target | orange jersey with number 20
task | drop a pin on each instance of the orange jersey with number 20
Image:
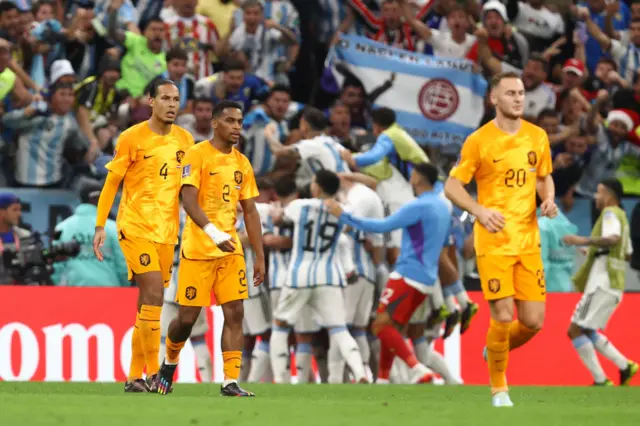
(506, 168)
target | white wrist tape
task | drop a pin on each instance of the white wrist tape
(215, 234)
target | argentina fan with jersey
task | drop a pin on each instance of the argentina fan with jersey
(255, 125)
(315, 278)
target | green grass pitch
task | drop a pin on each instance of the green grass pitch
(90, 404)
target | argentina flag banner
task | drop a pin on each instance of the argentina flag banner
(439, 101)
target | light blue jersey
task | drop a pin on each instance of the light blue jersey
(314, 257)
(256, 148)
(558, 259)
(425, 224)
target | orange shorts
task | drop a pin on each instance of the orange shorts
(225, 276)
(521, 277)
(146, 256)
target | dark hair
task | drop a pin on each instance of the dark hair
(609, 61)
(328, 181)
(203, 100)
(251, 3)
(35, 7)
(279, 88)
(428, 171)
(547, 113)
(285, 187)
(305, 192)
(156, 84)
(495, 81)
(233, 64)
(7, 6)
(536, 57)
(615, 187)
(315, 118)
(264, 184)
(220, 107)
(177, 52)
(383, 117)
(146, 23)
(108, 63)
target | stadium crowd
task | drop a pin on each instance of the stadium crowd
(75, 74)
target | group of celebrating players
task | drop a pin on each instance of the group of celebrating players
(325, 248)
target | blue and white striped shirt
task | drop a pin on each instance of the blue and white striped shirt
(41, 145)
(256, 148)
(314, 258)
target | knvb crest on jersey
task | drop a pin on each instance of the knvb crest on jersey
(237, 176)
(532, 157)
(494, 285)
(179, 156)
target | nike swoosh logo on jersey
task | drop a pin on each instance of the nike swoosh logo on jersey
(497, 161)
(242, 291)
(213, 173)
(146, 157)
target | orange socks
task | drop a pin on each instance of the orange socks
(232, 364)
(498, 354)
(519, 334)
(173, 350)
(137, 354)
(149, 326)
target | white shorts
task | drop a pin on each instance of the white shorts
(306, 323)
(395, 192)
(595, 308)
(325, 302)
(598, 301)
(170, 311)
(257, 315)
(358, 301)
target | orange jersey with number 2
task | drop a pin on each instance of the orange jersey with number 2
(222, 180)
(506, 168)
(151, 166)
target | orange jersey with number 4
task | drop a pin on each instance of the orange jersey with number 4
(506, 168)
(151, 166)
(222, 180)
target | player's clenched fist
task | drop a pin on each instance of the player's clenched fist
(98, 241)
(492, 220)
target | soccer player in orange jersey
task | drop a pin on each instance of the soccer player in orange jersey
(148, 160)
(215, 177)
(510, 160)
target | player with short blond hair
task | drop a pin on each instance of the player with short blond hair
(148, 160)
(510, 160)
(215, 177)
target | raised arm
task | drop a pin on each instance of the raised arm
(406, 216)
(383, 147)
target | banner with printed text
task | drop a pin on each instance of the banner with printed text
(437, 100)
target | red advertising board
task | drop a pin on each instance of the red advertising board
(83, 334)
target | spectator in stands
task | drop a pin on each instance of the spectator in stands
(47, 135)
(194, 34)
(630, 99)
(256, 42)
(10, 25)
(11, 86)
(144, 59)
(536, 22)
(610, 146)
(624, 54)
(255, 123)
(97, 97)
(539, 95)
(573, 105)
(507, 46)
(453, 43)
(177, 71)
(233, 84)
(598, 14)
(85, 270)
(569, 161)
(199, 124)
(127, 15)
(10, 233)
